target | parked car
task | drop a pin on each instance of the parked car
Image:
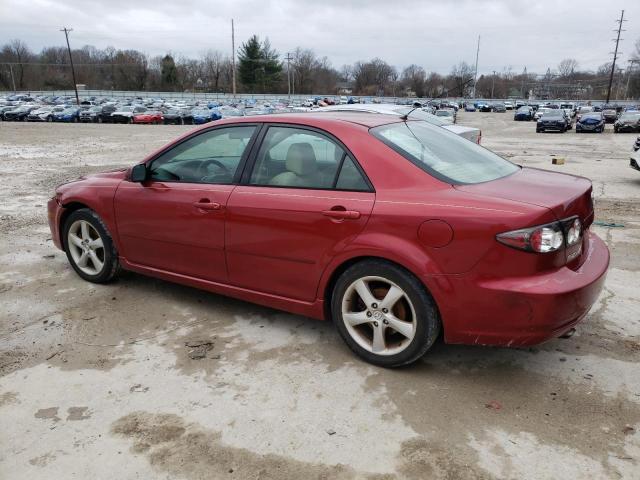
(68, 115)
(499, 107)
(540, 112)
(469, 107)
(447, 115)
(634, 162)
(553, 120)
(610, 114)
(4, 109)
(178, 116)
(41, 114)
(124, 114)
(508, 105)
(483, 107)
(396, 230)
(470, 133)
(149, 117)
(590, 122)
(91, 115)
(524, 113)
(18, 114)
(627, 122)
(636, 146)
(201, 116)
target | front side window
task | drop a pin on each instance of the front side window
(211, 157)
(443, 154)
(298, 158)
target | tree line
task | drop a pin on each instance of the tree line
(262, 69)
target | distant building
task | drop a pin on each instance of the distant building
(344, 88)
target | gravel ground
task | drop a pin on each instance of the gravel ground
(147, 379)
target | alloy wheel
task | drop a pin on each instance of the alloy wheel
(379, 315)
(86, 247)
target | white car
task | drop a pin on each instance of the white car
(447, 115)
(470, 133)
(508, 105)
(540, 112)
(343, 100)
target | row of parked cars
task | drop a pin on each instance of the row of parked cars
(560, 117)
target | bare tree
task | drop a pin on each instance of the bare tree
(414, 77)
(567, 67)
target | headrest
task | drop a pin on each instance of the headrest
(301, 159)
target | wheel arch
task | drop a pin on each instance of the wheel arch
(334, 273)
(69, 208)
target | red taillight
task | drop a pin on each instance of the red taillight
(547, 238)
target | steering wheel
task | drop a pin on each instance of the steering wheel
(202, 172)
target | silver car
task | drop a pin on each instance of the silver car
(470, 133)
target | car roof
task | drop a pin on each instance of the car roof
(320, 119)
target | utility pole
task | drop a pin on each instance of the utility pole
(524, 77)
(475, 76)
(13, 80)
(288, 58)
(233, 59)
(73, 71)
(493, 81)
(615, 54)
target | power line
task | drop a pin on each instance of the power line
(73, 71)
(615, 54)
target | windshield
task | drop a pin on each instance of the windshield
(591, 115)
(444, 113)
(443, 154)
(524, 109)
(554, 113)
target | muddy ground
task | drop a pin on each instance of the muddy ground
(147, 379)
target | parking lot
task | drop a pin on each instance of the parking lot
(147, 379)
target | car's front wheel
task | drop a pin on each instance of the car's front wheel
(384, 314)
(89, 247)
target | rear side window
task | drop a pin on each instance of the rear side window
(443, 154)
(300, 158)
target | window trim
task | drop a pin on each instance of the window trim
(251, 163)
(243, 159)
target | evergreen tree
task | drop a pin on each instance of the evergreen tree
(168, 72)
(258, 65)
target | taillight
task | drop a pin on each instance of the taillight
(547, 238)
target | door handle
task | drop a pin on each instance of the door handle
(342, 214)
(207, 205)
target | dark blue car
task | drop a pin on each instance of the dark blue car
(590, 122)
(71, 114)
(204, 115)
(524, 113)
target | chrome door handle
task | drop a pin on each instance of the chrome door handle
(202, 205)
(342, 214)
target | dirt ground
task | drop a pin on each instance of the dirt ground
(146, 379)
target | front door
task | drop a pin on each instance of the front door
(306, 199)
(175, 220)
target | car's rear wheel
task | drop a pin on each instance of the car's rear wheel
(89, 247)
(384, 314)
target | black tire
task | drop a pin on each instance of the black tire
(427, 319)
(111, 265)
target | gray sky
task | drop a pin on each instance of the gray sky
(434, 34)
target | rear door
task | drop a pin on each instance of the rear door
(175, 220)
(304, 199)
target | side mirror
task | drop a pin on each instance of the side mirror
(139, 173)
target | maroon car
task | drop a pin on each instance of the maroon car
(396, 230)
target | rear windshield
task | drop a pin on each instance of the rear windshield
(443, 154)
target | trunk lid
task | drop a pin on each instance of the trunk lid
(565, 195)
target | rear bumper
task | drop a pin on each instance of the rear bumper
(54, 213)
(522, 310)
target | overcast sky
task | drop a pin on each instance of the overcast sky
(435, 34)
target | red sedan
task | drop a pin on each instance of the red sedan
(396, 230)
(154, 118)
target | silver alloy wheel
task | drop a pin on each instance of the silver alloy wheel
(86, 247)
(379, 315)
